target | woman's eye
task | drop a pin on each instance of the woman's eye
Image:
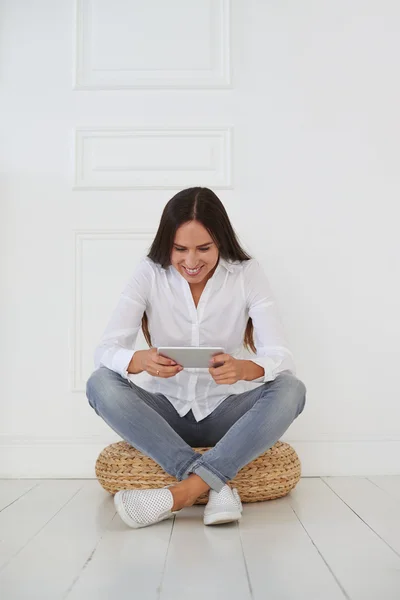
(183, 249)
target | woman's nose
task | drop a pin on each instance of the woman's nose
(192, 261)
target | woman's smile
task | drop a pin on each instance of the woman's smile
(192, 272)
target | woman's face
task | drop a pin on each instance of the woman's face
(194, 254)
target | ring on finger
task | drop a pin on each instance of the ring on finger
(158, 372)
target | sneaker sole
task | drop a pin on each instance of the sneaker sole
(223, 517)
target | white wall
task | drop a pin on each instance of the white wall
(289, 111)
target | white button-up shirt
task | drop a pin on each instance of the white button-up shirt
(235, 292)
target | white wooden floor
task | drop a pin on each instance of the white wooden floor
(330, 538)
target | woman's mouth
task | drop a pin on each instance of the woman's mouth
(192, 272)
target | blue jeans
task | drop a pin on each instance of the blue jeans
(241, 428)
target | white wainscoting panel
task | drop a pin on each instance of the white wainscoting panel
(153, 44)
(104, 261)
(152, 158)
(61, 456)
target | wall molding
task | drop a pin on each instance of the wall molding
(88, 76)
(74, 457)
(78, 382)
(217, 174)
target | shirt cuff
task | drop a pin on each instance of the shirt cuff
(271, 367)
(121, 360)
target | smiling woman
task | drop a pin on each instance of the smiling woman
(196, 262)
(196, 287)
(193, 234)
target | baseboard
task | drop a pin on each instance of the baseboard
(43, 458)
(50, 457)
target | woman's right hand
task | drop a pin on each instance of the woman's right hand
(154, 364)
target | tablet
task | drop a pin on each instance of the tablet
(197, 357)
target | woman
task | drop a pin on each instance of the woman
(196, 287)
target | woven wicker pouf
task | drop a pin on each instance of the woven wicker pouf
(271, 475)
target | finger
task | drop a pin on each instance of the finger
(168, 371)
(216, 371)
(213, 371)
(224, 381)
(225, 377)
(220, 358)
(223, 357)
(225, 374)
(163, 360)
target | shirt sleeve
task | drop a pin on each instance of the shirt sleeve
(270, 341)
(116, 347)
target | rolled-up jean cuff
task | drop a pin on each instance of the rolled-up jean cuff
(211, 476)
(187, 468)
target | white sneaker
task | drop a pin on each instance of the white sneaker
(223, 507)
(238, 500)
(140, 508)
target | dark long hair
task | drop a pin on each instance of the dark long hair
(202, 205)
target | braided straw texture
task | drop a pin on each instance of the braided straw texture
(271, 475)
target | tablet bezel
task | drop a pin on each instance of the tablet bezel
(191, 357)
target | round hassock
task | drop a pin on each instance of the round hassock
(271, 475)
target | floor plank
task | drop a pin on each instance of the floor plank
(389, 483)
(363, 563)
(23, 519)
(55, 557)
(373, 505)
(282, 560)
(12, 489)
(126, 563)
(204, 561)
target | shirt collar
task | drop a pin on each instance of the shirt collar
(226, 264)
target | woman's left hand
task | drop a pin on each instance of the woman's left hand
(231, 371)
